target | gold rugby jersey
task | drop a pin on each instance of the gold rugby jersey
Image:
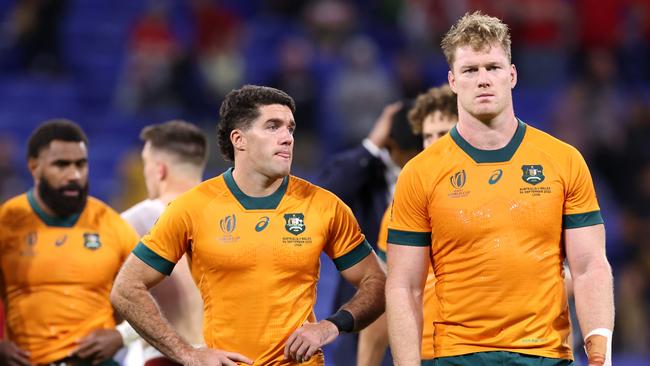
(256, 261)
(58, 273)
(494, 221)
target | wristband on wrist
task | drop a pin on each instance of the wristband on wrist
(129, 335)
(343, 320)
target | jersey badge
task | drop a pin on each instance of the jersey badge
(91, 241)
(533, 174)
(295, 223)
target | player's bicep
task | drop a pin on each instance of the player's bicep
(409, 209)
(368, 267)
(138, 273)
(584, 246)
(408, 266)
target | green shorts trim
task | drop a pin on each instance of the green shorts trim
(499, 358)
(427, 362)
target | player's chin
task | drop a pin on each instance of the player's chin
(282, 168)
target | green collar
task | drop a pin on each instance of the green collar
(491, 156)
(255, 203)
(68, 221)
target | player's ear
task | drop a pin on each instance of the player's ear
(33, 166)
(513, 76)
(238, 140)
(451, 78)
(161, 170)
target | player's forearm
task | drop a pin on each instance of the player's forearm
(369, 302)
(594, 297)
(138, 307)
(404, 314)
(373, 341)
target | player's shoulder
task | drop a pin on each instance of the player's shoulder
(302, 189)
(431, 161)
(14, 208)
(548, 143)
(100, 210)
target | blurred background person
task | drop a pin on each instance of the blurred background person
(364, 178)
(60, 251)
(432, 116)
(174, 156)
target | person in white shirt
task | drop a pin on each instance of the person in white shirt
(174, 157)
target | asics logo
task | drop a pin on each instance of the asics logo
(261, 225)
(496, 175)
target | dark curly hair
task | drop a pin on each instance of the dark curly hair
(241, 108)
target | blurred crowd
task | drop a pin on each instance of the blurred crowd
(582, 65)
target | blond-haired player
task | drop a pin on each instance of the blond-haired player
(495, 206)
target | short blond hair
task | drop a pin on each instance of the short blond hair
(440, 98)
(479, 31)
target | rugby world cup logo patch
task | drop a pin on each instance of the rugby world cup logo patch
(295, 223)
(228, 224)
(458, 179)
(533, 174)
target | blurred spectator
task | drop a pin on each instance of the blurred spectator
(360, 90)
(35, 32)
(151, 56)
(590, 114)
(330, 23)
(217, 42)
(11, 182)
(542, 32)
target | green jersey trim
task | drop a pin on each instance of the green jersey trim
(255, 203)
(410, 238)
(582, 220)
(68, 221)
(154, 261)
(354, 256)
(491, 156)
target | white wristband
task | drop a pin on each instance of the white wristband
(607, 333)
(129, 335)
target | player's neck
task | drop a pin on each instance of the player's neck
(255, 184)
(169, 190)
(487, 135)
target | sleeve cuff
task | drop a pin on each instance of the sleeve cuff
(154, 261)
(411, 238)
(354, 256)
(575, 221)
